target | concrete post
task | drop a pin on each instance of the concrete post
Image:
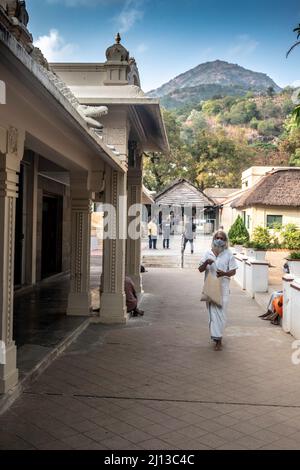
(286, 316)
(257, 276)
(11, 153)
(240, 276)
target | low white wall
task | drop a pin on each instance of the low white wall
(257, 276)
(240, 276)
(286, 314)
(295, 308)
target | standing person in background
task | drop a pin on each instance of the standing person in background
(221, 263)
(166, 232)
(152, 234)
(189, 234)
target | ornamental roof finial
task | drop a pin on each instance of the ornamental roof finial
(118, 38)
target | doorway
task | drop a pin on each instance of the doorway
(51, 235)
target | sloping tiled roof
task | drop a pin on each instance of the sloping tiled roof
(219, 195)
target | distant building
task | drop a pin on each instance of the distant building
(269, 195)
(275, 198)
(219, 195)
(180, 195)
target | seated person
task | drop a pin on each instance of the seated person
(131, 298)
(274, 309)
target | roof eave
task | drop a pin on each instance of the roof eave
(15, 54)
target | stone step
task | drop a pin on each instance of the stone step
(170, 261)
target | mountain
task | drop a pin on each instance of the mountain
(210, 79)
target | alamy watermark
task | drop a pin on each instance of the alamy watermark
(2, 353)
(139, 215)
(295, 358)
(2, 92)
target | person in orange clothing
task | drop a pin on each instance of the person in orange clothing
(277, 305)
(275, 308)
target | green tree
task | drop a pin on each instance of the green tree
(268, 128)
(270, 91)
(238, 233)
(297, 43)
(295, 158)
(296, 112)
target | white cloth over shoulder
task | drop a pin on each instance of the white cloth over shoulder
(225, 261)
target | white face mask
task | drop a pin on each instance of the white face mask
(219, 243)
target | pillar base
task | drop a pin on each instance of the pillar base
(79, 304)
(9, 374)
(113, 309)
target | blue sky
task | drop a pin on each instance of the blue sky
(169, 37)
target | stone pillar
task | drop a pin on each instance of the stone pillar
(79, 300)
(112, 299)
(11, 153)
(133, 246)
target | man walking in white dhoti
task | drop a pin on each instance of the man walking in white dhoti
(222, 264)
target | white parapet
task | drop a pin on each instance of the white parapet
(2, 92)
(257, 276)
(286, 316)
(295, 309)
(240, 276)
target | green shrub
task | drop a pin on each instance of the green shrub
(293, 242)
(291, 236)
(294, 255)
(261, 246)
(261, 235)
(238, 234)
(257, 245)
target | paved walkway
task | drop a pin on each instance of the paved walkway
(158, 384)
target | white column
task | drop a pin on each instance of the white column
(79, 300)
(11, 153)
(133, 246)
(112, 300)
(295, 302)
(257, 276)
(240, 276)
(286, 316)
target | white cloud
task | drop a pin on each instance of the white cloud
(54, 47)
(131, 13)
(244, 46)
(141, 48)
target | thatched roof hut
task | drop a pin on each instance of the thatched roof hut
(281, 187)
